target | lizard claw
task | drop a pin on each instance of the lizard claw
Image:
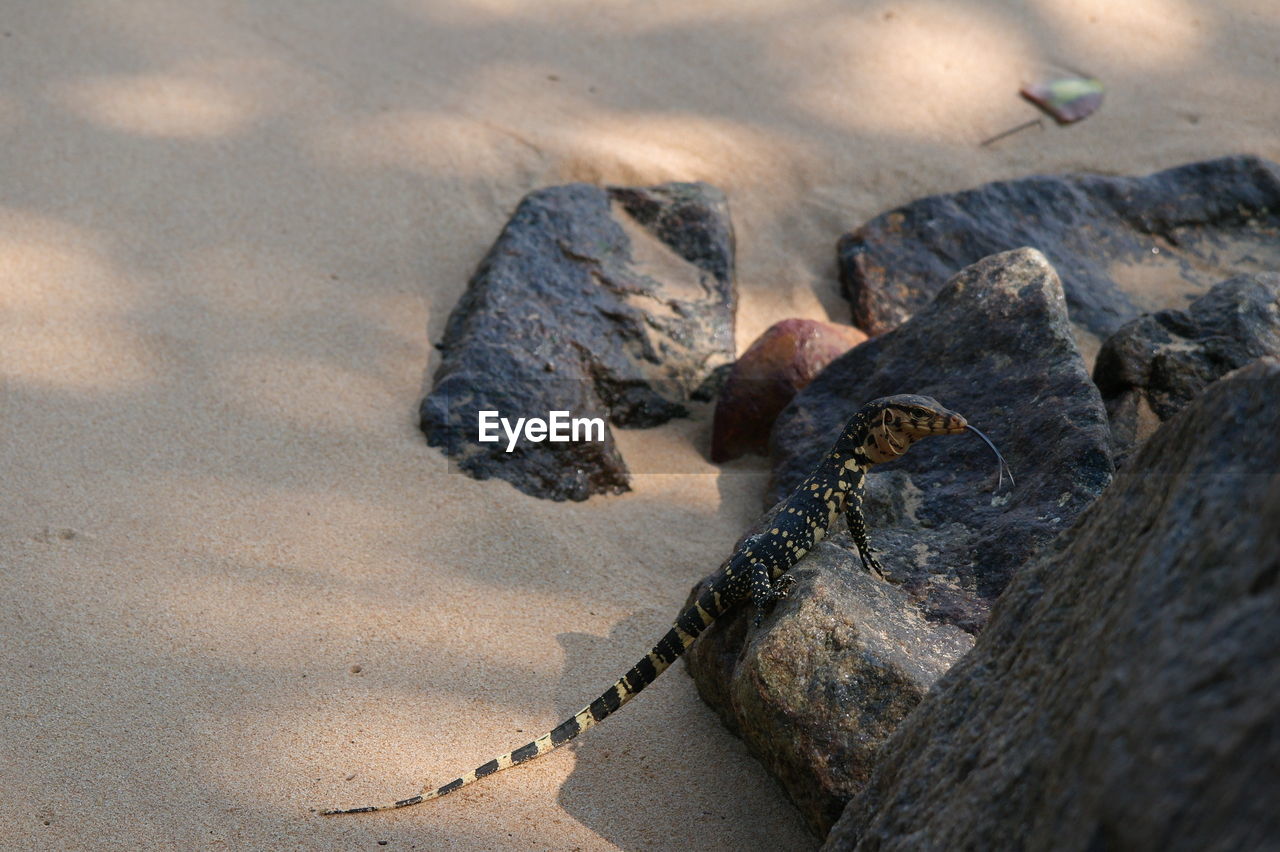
(783, 586)
(873, 566)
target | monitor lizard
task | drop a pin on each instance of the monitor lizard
(881, 431)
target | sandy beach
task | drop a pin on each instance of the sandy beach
(235, 583)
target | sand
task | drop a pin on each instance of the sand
(230, 231)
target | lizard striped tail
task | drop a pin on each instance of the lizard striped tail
(678, 639)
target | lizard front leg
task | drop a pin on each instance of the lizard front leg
(858, 530)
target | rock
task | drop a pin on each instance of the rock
(713, 384)
(1123, 245)
(1156, 365)
(844, 658)
(1126, 694)
(612, 303)
(760, 384)
(996, 346)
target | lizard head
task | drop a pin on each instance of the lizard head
(893, 423)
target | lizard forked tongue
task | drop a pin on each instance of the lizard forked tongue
(1001, 464)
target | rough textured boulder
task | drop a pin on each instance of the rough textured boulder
(1122, 245)
(1126, 694)
(996, 346)
(780, 362)
(612, 303)
(1156, 365)
(842, 660)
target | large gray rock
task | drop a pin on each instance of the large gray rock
(996, 346)
(1123, 245)
(1126, 694)
(612, 303)
(1155, 365)
(844, 658)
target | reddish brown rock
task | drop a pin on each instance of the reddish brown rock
(782, 361)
